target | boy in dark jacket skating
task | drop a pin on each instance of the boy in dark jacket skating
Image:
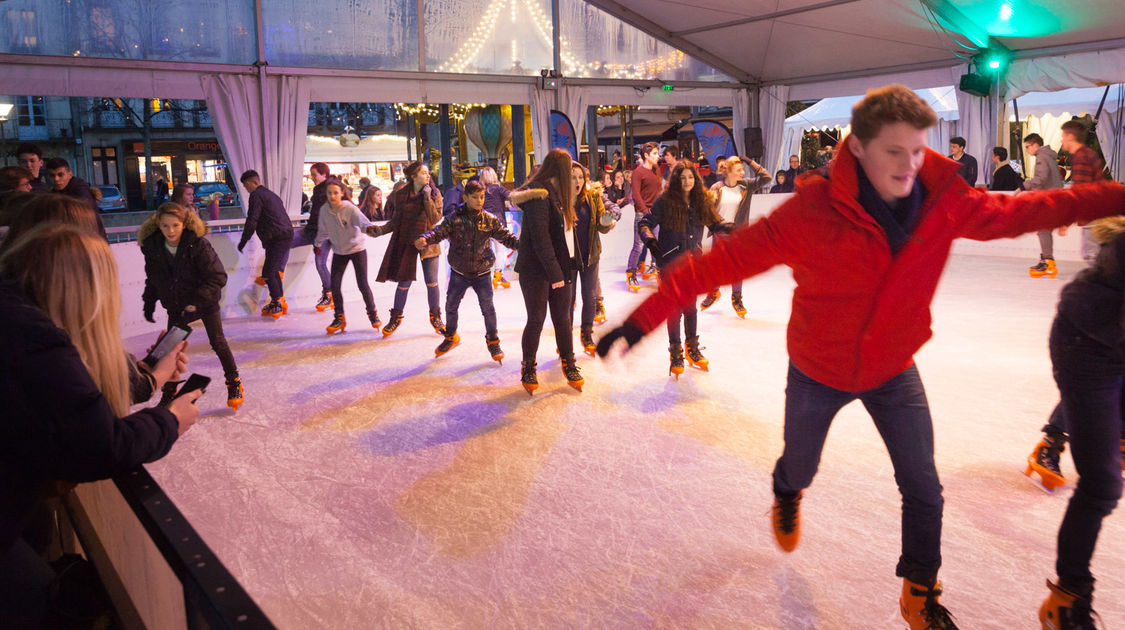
(470, 231)
(183, 271)
(266, 215)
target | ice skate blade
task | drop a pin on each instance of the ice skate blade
(530, 388)
(234, 404)
(1046, 483)
(320, 308)
(334, 331)
(576, 384)
(590, 350)
(276, 316)
(699, 366)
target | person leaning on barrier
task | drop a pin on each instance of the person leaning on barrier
(67, 385)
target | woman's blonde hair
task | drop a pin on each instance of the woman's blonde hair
(71, 276)
(488, 176)
(52, 208)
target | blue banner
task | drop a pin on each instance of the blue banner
(563, 134)
(715, 140)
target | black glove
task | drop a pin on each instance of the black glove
(653, 248)
(726, 227)
(240, 246)
(629, 332)
(149, 316)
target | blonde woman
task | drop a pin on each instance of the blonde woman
(66, 384)
(733, 193)
(496, 203)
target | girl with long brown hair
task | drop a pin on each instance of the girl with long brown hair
(681, 213)
(546, 263)
(417, 210)
(592, 221)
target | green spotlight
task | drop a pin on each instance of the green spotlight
(993, 64)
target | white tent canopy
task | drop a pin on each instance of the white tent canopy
(831, 113)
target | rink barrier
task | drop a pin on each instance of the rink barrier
(156, 568)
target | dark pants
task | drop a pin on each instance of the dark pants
(1090, 378)
(213, 324)
(430, 275)
(538, 297)
(591, 289)
(302, 238)
(691, 319)
(902, 417)
(737, 286)
(482, 286)
(277, 255)
(638, 253)
(25, 580)
(359, 264)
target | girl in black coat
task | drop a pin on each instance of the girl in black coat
(546, 262)
(681, 213)
(183, 271)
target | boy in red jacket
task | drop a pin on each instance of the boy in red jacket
(867, 245)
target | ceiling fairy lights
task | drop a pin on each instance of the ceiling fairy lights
(467, 53)
(430, 111)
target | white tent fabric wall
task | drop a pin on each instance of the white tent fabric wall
(977, 125)
(277, 150)
(573, 102)
(1050, 74)
(1045, 112)
(772, 104)
(542, 102)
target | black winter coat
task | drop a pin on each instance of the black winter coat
(1094, 302)
(543, 249)
(470, 235)
(194, 276)
(672, 243)
(56, 425)
(266, 215)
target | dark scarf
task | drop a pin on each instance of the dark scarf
(898, 220)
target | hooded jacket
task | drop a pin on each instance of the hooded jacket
(596, 203)
(1046, 174)
(859, 314)
(470, 234)
(1092, 303)
(194, 276)
(543, 249)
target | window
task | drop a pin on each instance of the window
(31, 111)
(24, 30)
(103, 30)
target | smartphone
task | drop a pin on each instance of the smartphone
(165, 344)
(194, 382)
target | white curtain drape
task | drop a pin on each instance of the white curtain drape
(740, 108)
(1049, 74)
(978, 126)
(542, 102)
(276, 150)
(772, 102)
(573, 102)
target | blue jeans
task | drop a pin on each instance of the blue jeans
(1090, 379)
(302, 238)
(277, 255)
(637, 254)
(591, 289)
(433, 295)
(482, 286)
(902, 416)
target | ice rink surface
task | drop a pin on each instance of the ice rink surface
(366, 484)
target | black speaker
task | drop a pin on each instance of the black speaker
(752, 143)
(976, 84)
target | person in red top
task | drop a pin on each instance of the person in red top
(867, 244)
(647, 187)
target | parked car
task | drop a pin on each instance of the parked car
(204, 190)
(112, 200)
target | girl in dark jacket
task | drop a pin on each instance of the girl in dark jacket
(1088, 356)
(681, 213)
(471, 231)
(591, 221)
(67, 386)
(417, 209)
(183, 271)
(546, 263)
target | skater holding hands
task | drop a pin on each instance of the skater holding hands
(470, 231)
(343, 225)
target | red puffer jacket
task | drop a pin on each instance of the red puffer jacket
(859, 314)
